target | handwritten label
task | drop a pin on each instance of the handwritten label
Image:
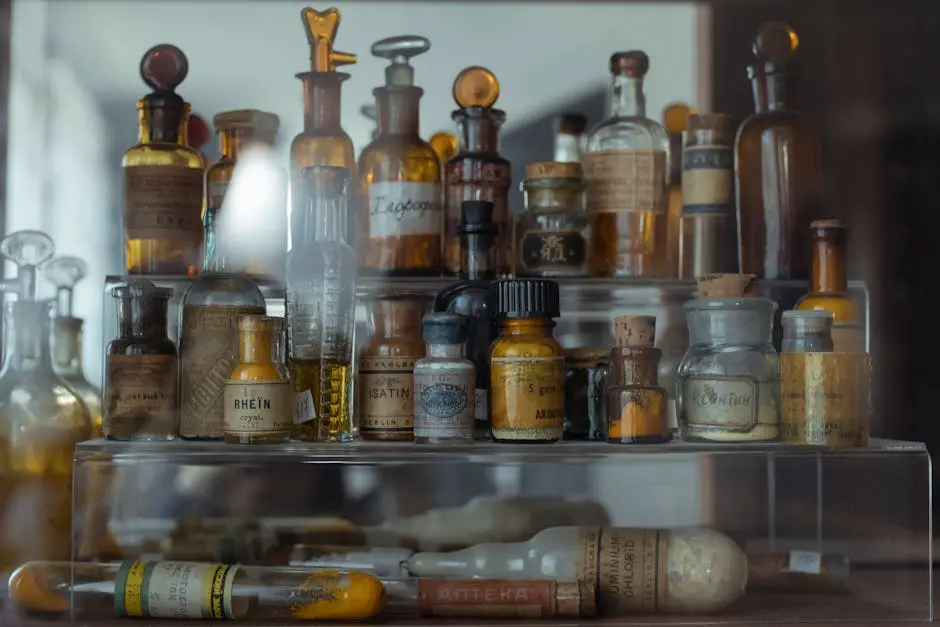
(404, 208)
(174, 590)
(808, 562)
(163, 202)
(304, 408)
(726, 403)
(386, 400)
(707, 180)
(257, 408)
(625, 180)
(528, 397)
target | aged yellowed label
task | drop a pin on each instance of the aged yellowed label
(625, 180)
(386, 394)
(141, 394)
(707, 180)
(481, 598)
(258, 408)
(528, 397)
(825, 398)
(725, 403)
(163, 202)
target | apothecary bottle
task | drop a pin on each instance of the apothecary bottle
(477, 171)
(626, 170)
(806, 331)
(386, 367)
(675, 119)
(636, 403)
(728, 380)
(552, 232)
(141, 382)
(400, 219)
(777, 164)
(258, 399)
(586, 376)
(163, 176)
(444, 383)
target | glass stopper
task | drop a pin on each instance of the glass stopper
(475, 86)
(775, 43)
(321, 27)
(64, 273)
(163, 67)
(27, 249)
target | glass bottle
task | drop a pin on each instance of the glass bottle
(777, 164)
(41, 419)
(586, 374)
(323, 140)
(258, 398)
(208, 341)
(675, 117)
(636, 404)
(477, 171)
(386, 368)
(475, 297)
(552, 233)
(527, 364)
(320, 306)
(444, 145)
(256, 208)
(65, 273)
(141, 384)
(569, 137)
(806, 331)
(163, 176)
(707, 237)
(626, 170)
(444, 383)
(829, 287)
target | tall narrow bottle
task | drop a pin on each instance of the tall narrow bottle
(400, 215)
(163, 176)
(675, 117)
(323, 140)
(777, 165)
(477, 171)
(626, 171)
(321, 291)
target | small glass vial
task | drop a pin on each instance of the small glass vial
(807, 332)
(141, 389)
(527, 364)
(551, 235)
(258, 399)
(636, 404)
(444, 383)
(386, 368)
(585, 388)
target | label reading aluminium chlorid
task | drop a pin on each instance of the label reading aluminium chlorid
(174, 590)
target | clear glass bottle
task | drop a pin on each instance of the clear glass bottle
(400, 219)
(675, 117)
(257, 208)
(444, 383)
(163, 176)
(320, 306)
(552, 233)
(386, 368)
(141, 383)
(477, 171)
(729, 386)
(777, 164)
(806, 331)
(626, 169)
(636, 404)
(828, 291)
(586, 375)
(323, 140)
(41, 419)
(65, 273)
(569, 137)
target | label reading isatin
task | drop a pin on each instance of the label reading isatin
(405, 208)
(258, 408)
(707, 180)
(174, 590)
(162, 202)
(625, 180)
(386, 399)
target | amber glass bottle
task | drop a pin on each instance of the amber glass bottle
(400, 215)
(323, 140)
(163, 176)
(777, 165)
(636, 404)
(386, 368)
(829, 286)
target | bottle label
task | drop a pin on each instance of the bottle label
(305, 409)
(386, 402)
(495, 598)
(630, 567)
(809, 562)
(174, 590)
(707, 180)
(258, 408)
(404, 208)
(208, 354)
(625, 180)
(528, 397)
(444, 404)
(552, 250)
(473, 178)
(721, 403)
(848, 338)
(141, 395)
(163, 202)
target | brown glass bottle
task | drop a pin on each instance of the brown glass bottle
(400, 214)
(386, 368)
(163, 176)
(636, 404)
(777, 165)
(675, 117)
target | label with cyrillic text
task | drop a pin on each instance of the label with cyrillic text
(405, 208)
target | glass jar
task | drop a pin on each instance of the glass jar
(585, 387)
(807, 331)
(729, 387)
(636, 403)
(551, 235)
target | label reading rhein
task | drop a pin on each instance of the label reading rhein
(707, 180)
(141, 395)
(404, 208)
(723, 403)
(174, 590)
(551, 250)
(454, 598)
(258, 408)
(162, 202)
(444, 404)
(304, 408)
(625, 180)
(528, 397)
(386, 401)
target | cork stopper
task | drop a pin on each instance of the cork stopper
(676, 117)
(633, 63)
(635, 331)
(829, 223)
(262, 122)
(727, 285)
(553, 170)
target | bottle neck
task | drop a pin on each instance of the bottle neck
(233, 141)
(446, 351)
(163, 125)
(478, 132)
(636, 366)
(559, 194)
(256, 347)
(829, 264)
(397, 109)
(568, 148)
(627, 98)
(322, 101)
(142, 318)
(26, 337)
(67, 346)
(477, 253)
(773, 92)
(324, 213)
(395, 318)
(542, 326)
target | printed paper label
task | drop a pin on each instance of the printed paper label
(528, 397)
(625, 180)
(258, 408)
(707, 180)
(808, 562)
(405, 208)
(386, 401)
(454, 598)
(163, 202)
(174, 590)
(141, 394)
(725, 403)
(444, 405)
(304, 408)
